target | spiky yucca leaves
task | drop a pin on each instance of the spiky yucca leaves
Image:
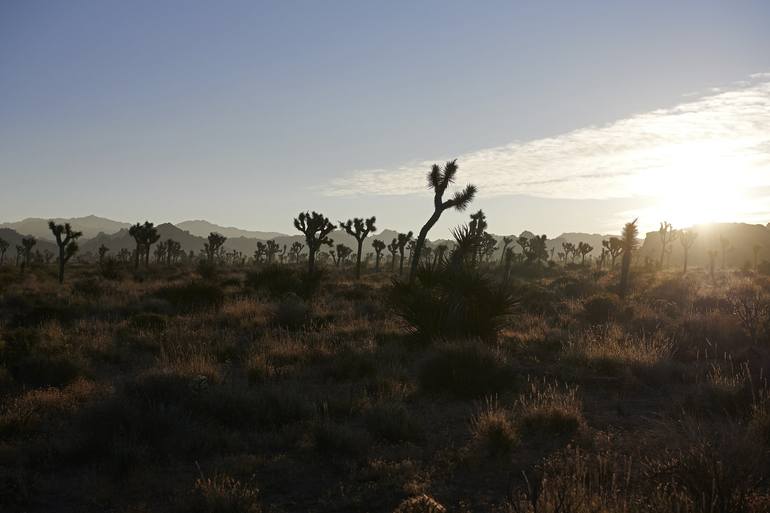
(438, 180)
(359, 229)
(452, 301)
(629, 242)
(316, 229)
(687, 239)
(378, 246)
(215, 242)
(66, 240)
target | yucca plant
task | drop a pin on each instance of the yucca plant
(629, 242)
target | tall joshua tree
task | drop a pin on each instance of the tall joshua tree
(687, 239)
(316, 229)
(28, 243)
(402, 240)
(260, 251)
(584, 248)
(378, 246)
(506, 242)
(273, 248)
(629, 242)
(102, 253)
(438, 180)
(295, 250)
(3, 248)
(212, 247)
(614, 247)
(145, 235)
(359, 229)
(393, 249)
(66, 240)
(19, 255)
(667, 235)
(340, 254)
(724, 243)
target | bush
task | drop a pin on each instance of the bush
(278, 281)
(192, 296)
(601, 308)
(452, 304)
(223, 494)
(465, 371)
(493, 431)
(148, 321)
(291, 313)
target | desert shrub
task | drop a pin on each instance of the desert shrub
(452, 303)
(492, 429)
(335, 439)
(192, 296)
(223, 494)
(350, 365)
(291, 312)
(465, 371)
(420, 504)
(206, 270)
(751, 306)
(278, 281)
(148, 321)
(601, 308)
(573, 287)
(679, 291)
(549, 410)
(535, 299)
(392, 422)
(110, 269)
(90, 287)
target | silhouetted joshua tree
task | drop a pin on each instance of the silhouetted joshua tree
(316, 228)
(687, 239)
(102, 253)
(173, 251)
(66, 240)
(439, 180)
(441, 250)
(160, 252)
(393, 249)
(378, 246)
(272, 248)
(667, 235)
(212, 247)
(725, 245)
(19, 254)
(756, 250)
(614, 247)
(260, 251)
(570, 251)
(583, 248)
(145, 235)
(402, 240)
(340, 254)
(359, 229)
(282, 254)
(506, 242)
(28, 243)
(295, 250)
(3, 248)
(629, 243)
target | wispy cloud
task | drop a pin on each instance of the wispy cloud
(725, 132)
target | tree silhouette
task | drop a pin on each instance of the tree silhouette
(570, 251)
(145, 235)
(316, 228)
(295, 250)
(687, 239)
(211, 248)
(272, 248)
(393, 249)
(173, 251)
(439, 180)
(667, 236)
(402, 240)
(3, 248)
(340, 254)
(160, 252)
(583, 248)
(19, 254)
(725, 245)
(629, 243)
(438, 259)
(260, 251)
(282, 254)
(102, 253)
(506, 242)
(28, 243)
(378, 246)
(66, 240)
(359, 229)
(614, 247)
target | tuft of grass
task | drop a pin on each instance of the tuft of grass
(493, 430)
(465, 371)
(223, 494)
(548, 409)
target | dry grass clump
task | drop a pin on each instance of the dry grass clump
(223, 494)
(420, 504)
(493, 429)
(549, 409)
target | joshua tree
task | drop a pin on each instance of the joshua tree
(173, 251)
(667, 236)
(506, 242)
(725, 245)
(341, 254)
(393, 248)
(212, 247)
(712, 259)
(282, 255)
(160, 252)
(316, 228)
(687, 239)
(260, 251)
(295, 250)
(272, 249)
(583, 248)
(439, 180)
(47, 256)
(614, 247)
(402, 240)
(3, 248)
(102, 253)
(66, 240)
(28, 243)
(488, 246)
(145, 235)
(359, 229)
(378, 246)
(19, 254)
(570, 251)
(534, 249)
(756, 249)
(628, 245)
(439, 254)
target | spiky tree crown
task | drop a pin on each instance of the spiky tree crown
(359, 228)
(68, 242)
(439, 179)
(378, 245)
(403, 239)
(629, 236)
(316, 228)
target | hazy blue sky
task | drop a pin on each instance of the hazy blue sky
(244, 113)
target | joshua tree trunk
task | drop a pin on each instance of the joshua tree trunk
(310, 260)
(420, 242)
(61, 264)
(358, 258)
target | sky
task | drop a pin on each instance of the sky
(568, 116)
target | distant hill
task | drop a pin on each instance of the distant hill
(742, 237)
(13, 238)
(203, 228)
(91, 226)
(117, 241)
